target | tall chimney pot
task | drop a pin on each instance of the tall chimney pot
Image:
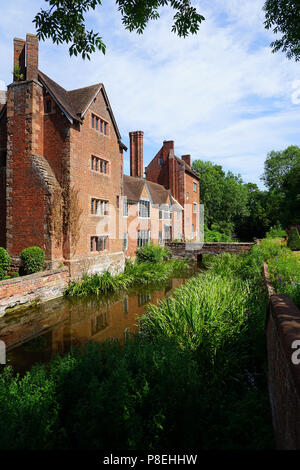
(136, 153)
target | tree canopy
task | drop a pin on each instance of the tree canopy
(242, 209)
(283, 17)
(64, 21)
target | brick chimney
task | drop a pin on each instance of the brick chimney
(136, 153)
(187, 159)
(32, 57)
(19, 57)
(168, 145)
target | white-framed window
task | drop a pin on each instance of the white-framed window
(195, 207)
(195, 187)
(144, 208)
(125, 207)
(143, 237)
(168, 233)
(125, 242)
(167, 213)
(99, 243)
(99, 207)
(187, 196)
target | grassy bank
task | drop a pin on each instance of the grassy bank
(195, 378)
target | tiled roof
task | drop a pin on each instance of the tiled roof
(76, 102)
(133, 187)
(159, 194)
(82, 97)
(59, 94)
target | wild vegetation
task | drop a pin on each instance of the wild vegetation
(284, 271)
(195, 376)
(152, 266)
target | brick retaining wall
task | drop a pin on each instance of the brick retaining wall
(39, 287)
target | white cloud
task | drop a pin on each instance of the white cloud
(221, 94)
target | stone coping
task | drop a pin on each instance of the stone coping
(29, 277)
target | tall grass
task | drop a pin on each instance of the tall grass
(135, 274)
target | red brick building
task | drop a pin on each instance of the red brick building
(61, 160)
(62, 186)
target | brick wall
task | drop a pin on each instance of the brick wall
(3, 138)
(183, 249)
(38, 287)
(282, 329)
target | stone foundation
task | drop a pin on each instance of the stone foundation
(112, 262)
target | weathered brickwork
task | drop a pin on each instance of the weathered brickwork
(38, 287)
(46, 179)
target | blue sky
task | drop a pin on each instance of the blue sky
(221, 95)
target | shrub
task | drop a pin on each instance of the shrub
(32, 260)
(4, 262)
(294, 239)
(276, 232)
(152, 253)
(215, 236)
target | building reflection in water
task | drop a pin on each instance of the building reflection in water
(36, 334)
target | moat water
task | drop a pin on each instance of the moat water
(35, 334)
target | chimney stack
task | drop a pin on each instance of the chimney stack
(32, 57)
(19, 58)
(187, 159)
(168, 145)
(136, 153)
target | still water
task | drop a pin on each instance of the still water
(37, 333)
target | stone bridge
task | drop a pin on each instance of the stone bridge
(197, 249)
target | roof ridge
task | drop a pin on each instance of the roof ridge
(85, 87)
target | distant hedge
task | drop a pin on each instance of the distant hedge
(32, 260)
